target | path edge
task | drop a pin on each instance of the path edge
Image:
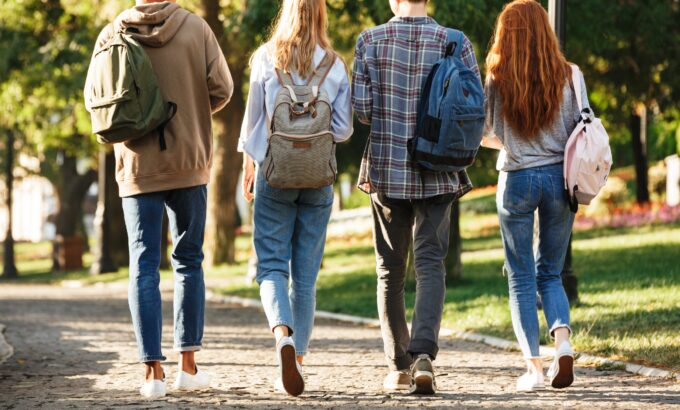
(6, 349)
(492, 341)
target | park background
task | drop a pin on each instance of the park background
(66, 217)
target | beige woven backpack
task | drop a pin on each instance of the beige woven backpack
(301, 152)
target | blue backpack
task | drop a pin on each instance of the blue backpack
(450, 114)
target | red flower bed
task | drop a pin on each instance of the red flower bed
(631, 217)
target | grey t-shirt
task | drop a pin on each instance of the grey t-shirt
(547, 147)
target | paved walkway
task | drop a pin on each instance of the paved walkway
(74, 348)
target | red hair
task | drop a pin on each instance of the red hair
(527, 67)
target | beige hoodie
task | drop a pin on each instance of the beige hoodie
(192, 72)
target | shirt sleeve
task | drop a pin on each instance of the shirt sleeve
(220, 83)
(361, 84)
(468, 57)
(255, 117)
(341, 125)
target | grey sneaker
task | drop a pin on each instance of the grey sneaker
(422, 376)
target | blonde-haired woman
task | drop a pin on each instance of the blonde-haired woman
(290, 224)
(531, 111)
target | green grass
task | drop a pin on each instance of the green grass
(34, 263)
(629, 284)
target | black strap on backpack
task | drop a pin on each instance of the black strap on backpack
(161, 127)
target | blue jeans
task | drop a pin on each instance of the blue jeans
(520, 193)
(289, 237)
(143, 219)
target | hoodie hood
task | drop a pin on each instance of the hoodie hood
(152, 24)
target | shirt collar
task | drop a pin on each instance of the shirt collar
(413, 20)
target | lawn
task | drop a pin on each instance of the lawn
(629, 284)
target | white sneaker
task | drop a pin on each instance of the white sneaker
(561, 371)
(198, 381)
(291, 371)
(529, 382)
(154, 389)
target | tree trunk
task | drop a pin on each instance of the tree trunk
(71, 190)
(453, 263)
(9, 269)
(638, 130)
(226, 166)
(119, 240)
(111, 248)
(103, 263)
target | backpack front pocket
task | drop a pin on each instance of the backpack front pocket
(468, 124)
(300, 163)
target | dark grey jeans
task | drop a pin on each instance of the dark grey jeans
(398, 223)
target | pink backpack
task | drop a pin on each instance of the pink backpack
(587, 156)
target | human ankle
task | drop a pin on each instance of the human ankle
(561, 335)
(188, 363)
(154, 371)
(535, 366)
(280, 332)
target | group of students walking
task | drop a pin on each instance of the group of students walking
(530, 107)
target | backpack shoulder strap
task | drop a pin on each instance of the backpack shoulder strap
(322, 70)
(454, 46)
(285, 79)
(576, 82)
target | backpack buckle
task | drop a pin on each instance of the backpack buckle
(450, 48)
(305, 108)
(587, 115)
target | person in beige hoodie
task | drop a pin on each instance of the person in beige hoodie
(192, 72)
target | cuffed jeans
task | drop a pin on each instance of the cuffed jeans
(289, 237)
(143, 219)
(520, 193)
(398, 223)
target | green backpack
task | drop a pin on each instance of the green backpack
(122, 93)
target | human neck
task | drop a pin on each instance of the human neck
(408, 9)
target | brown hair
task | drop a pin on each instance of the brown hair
(527, 67)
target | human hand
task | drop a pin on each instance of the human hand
(248, 177)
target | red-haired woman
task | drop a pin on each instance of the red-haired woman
(531, 111)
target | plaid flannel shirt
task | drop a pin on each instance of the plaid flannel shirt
(391, 64)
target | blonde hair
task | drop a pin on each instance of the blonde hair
(300, 26)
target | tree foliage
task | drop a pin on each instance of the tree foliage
(630, 54)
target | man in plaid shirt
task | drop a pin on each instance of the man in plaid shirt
(411, 206)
